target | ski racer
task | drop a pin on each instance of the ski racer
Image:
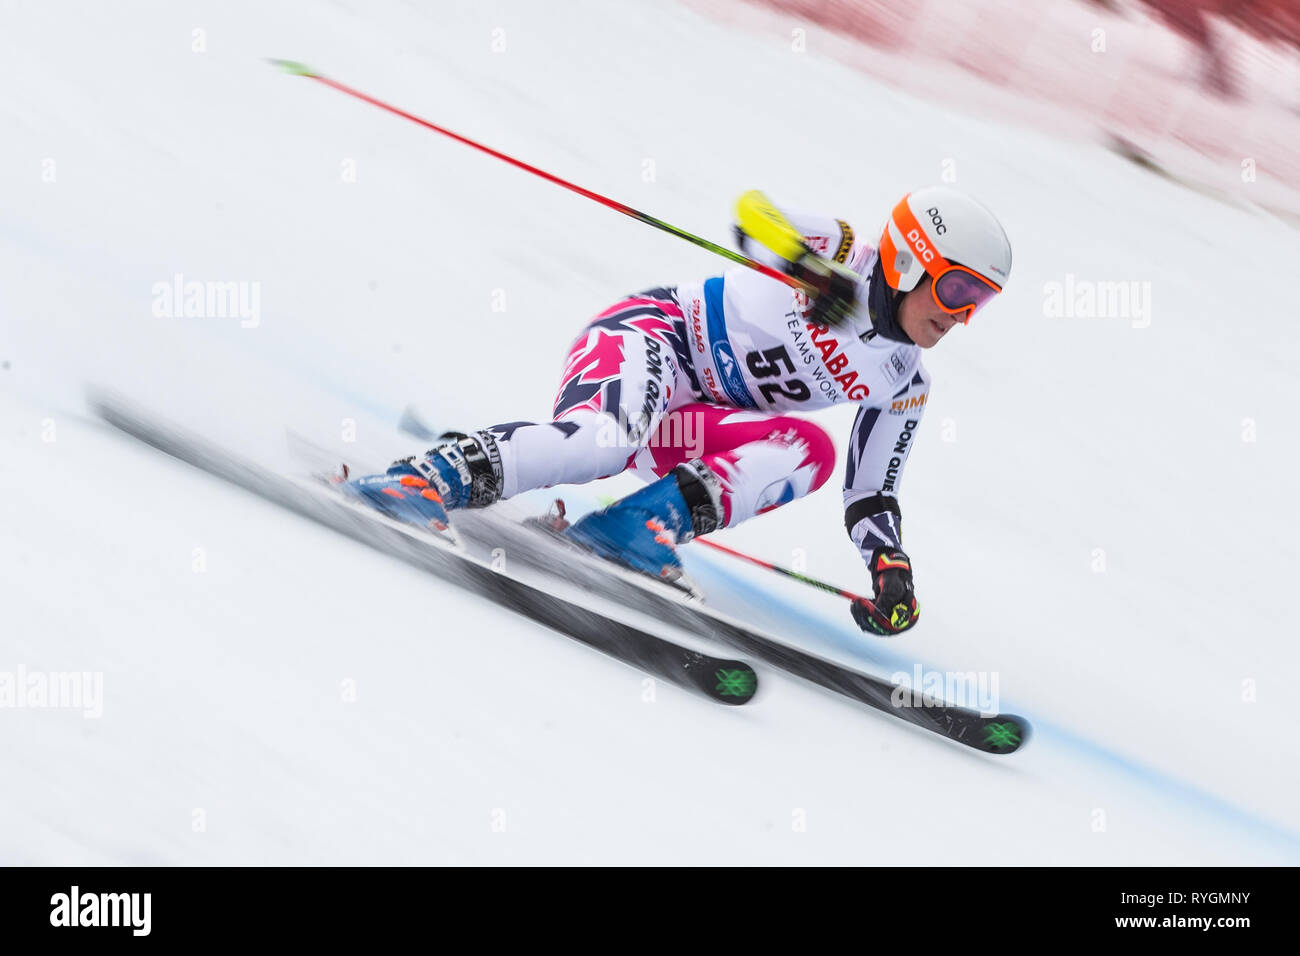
(689, 386)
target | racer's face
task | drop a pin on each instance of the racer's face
(921, 318)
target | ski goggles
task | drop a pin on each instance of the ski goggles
(957, 289)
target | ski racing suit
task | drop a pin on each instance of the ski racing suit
(705, 371)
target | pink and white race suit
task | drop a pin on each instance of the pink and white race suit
(706, 369)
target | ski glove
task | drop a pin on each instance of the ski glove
(834, 294)
(831, 286)
(895, 607)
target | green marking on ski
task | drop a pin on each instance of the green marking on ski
(735, 683)
(1002, 735)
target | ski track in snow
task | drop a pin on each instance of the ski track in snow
(1046, 733)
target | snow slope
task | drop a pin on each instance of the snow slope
(280, 695)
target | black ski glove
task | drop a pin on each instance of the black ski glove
(832, 287)
(835, 288)
(895, 608)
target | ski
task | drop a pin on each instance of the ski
(721, 680)
(529, 542)
(499, 531)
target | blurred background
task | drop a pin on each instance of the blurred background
(1112, 442)
(1205, 91)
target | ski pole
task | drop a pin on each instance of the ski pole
(299, 69)
(870, 605)
(786, 571)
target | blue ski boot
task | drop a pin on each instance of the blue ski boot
(463, 473)
(642, 530)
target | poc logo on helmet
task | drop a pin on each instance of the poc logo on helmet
(920, 245)
(937, 220)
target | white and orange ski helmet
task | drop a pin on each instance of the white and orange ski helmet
(960, 244)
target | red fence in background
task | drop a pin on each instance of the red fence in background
(1272, 21)
(1206, 90)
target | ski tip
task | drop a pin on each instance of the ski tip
(292, 67)
(1004, 734)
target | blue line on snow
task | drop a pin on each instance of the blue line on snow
(704, 568)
